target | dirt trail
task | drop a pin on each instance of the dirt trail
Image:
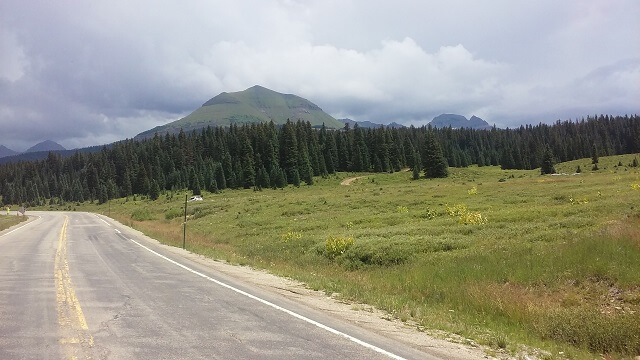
(348, 181)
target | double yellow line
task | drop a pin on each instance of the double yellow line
(75, 334)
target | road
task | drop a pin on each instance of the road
(79, 286)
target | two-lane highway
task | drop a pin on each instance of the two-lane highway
(78, 286)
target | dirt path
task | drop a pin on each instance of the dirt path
(348, 181)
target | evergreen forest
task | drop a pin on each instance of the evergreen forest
(261, 156)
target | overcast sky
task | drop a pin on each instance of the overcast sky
(92, 72)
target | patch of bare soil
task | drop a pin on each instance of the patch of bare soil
(348, 181)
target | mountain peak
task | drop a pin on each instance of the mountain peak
(256, 104)
(46, 145)
(259, 88)
(458, 121)
(5, 151)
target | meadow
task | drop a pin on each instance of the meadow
(511, 259)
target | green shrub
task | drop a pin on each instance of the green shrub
(291, 236)
(429, 214)
(337, 245)
(402, 209)
(380, 252)
(141, 214)
(199, 212)
(173, 213)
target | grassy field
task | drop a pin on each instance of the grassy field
(7, 221)
(502, 257)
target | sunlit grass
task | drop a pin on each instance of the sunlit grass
(498, 256)
(7, 221)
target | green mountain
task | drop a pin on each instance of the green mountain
(254, 105)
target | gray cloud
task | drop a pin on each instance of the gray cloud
(94, 72)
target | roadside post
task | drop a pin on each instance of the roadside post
(184, 232)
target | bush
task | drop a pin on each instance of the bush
(472, 218)
(199, 212)
(380, 252)
(141, 214)
(430, 214)
(337, 245)
(291, 236)
(456, 210)
(173, 213)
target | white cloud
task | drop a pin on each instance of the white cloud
(105, 70)
(12, 58)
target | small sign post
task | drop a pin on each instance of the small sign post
(184, 233)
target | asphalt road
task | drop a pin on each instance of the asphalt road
(78, 286)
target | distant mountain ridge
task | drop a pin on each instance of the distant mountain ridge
(369, 124)
(458, 121)
(256, 104)
(44, 146)
(5, 151)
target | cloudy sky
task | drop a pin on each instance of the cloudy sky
(92, 72)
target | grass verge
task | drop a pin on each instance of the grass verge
(7, 221)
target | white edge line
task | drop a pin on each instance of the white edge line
(294, 314)
(20, 227)
(101, 219)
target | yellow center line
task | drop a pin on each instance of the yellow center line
(75, 336)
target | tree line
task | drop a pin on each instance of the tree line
(264, 155)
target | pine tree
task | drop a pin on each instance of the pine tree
(433, 161)
(248, 164)
(416, 167)
(547, 162)
(196, 187)
(154, 192)
(594, 154)
(281, 179)
(102, 194)
(221, 181)
(306, 170)
(295, 178)
(289, 152)
(262, 179)
(213, 186)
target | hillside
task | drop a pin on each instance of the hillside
(46, 145)
(5, 151)
(254, 105)
(458, 122)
